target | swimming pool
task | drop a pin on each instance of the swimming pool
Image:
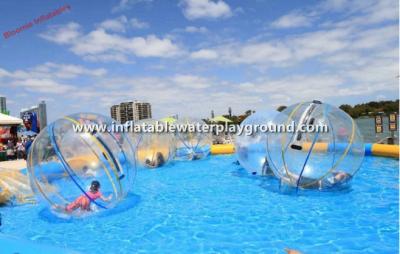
(212, 206)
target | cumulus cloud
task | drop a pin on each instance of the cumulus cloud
(292, 20)
(356, 60)
(207, 54)
(114, 25)
(63, 34)
(136, 23)
(324, 43)
(121, 24)
(49, 77)
(197, 9)
(101, 45)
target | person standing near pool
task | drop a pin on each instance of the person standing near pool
(28, 144)
(10, 150)
(20, 149)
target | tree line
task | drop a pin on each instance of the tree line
(359, 110)
(371, 108)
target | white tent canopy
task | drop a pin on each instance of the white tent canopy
(8, 120)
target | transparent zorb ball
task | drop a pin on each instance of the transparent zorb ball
(65, 160)
(190, 141)
(308, 157)
(251, 144)
(155, 146)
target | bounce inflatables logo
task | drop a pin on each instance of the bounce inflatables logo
(36, 21)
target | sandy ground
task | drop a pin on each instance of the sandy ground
(13, 165)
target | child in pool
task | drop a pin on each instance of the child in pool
(83, 201)
(158, 162)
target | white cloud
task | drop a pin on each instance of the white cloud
(292, 20)
(196, 9)
(191, 81)
(49, 77)
(114, 25)
(43, 86)
(3, 73)
(151, 46)
(53, 70)
(63, 34)
(351, 13)
(194, 29)
(207, 54)
(335, 5)
(319, 43)
(362, 13)
(125, 5)
(368, 39)
(343, 61)
(324, 45)
(121, 24)
(136, 23)
(283, 52)
(101, 45)
(72, 71)
(112, 57)
(197, 95)
(255, 53)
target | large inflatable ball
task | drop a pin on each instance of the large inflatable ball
(317, 146)
(154, 146)
(250, 144)
(75, 165)
(192, 139)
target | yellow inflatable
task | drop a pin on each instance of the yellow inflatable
(222, 149)
(370, 149)
(385, 150)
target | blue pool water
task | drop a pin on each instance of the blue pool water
(212, 206)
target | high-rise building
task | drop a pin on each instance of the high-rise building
(3, 105)
(131, 111)
(126, 112)
(142, 111)
(42, 114)
(115, 112)
(40, 111)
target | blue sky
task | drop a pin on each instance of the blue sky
(189, 57)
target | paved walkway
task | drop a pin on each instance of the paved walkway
(13, 165)
(14, 185)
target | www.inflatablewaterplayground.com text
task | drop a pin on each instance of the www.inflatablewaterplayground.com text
(162, 127)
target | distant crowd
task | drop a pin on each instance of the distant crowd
(19, 149)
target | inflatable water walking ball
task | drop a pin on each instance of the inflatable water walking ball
(250, 145)
(192, 143)
(63, 163)
(323, 150)
(153, 149)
